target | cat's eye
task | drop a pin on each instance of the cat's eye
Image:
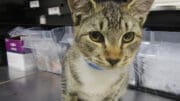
(96, 36)
(128, 37)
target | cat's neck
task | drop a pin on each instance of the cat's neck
(93, 65)
(86, 65)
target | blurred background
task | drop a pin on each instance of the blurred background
(35, 34)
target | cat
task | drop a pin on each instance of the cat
(106, 39)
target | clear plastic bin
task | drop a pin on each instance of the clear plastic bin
(158, 61)
(49, 47)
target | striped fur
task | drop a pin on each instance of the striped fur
(113, 20)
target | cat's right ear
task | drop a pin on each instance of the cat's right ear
(139, 9)
(81, 9)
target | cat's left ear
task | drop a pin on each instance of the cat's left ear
(139, 9)
(81, 9)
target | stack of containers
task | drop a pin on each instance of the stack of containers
(49, 47)
(18, 57)
(158, 61)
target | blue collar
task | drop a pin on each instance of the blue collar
(94, 66)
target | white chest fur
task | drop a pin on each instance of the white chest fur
(96, 82)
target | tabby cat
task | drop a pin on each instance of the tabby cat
(106, 39)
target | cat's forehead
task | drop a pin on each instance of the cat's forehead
(113, 14)
(111, 19)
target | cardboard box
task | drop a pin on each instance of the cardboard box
(22, 62)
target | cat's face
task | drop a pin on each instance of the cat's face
(109, 43)
(109, 37)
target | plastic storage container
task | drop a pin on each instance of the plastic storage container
(49, 47)
(158, 61)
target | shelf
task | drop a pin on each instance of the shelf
(164, 20)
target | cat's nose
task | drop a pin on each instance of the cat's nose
(113, 61)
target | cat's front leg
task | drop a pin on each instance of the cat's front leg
(65, 97)
(69, 97)
(112, 99)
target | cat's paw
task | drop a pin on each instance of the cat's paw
(69, 98)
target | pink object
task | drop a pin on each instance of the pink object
(16, 45)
